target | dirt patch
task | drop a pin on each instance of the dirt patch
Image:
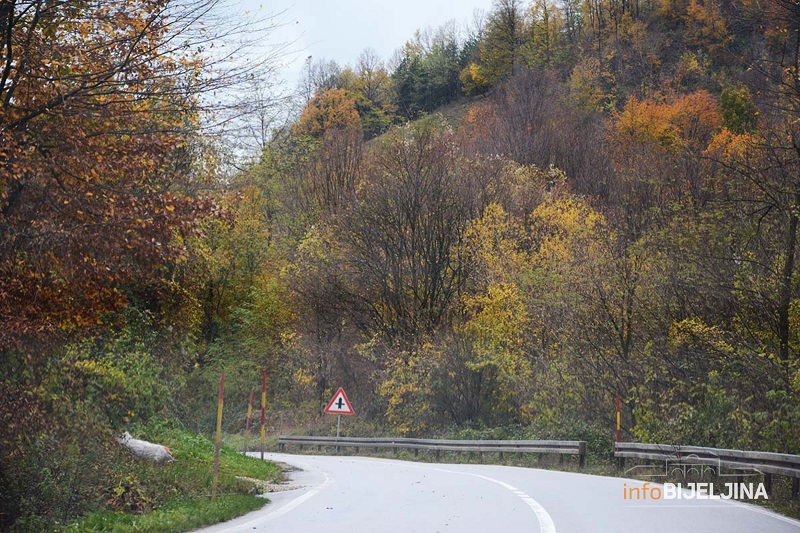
(264, 487)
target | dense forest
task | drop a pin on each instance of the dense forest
(505, 225)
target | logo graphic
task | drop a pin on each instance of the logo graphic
(693, 466)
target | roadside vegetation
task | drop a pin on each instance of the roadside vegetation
(143, 496)
(608, 206)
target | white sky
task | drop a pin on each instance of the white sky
(342, 29)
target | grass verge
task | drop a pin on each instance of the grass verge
(174, 517)
(142, 496)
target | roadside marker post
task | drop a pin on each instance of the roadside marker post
(263, 411)
(339, 405)
(218, 439)
(621, 460)
(247, 424)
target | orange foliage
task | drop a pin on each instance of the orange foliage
(687, 122)
(331, 109)
(92, 146)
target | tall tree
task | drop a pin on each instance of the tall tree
(500, 48)
(98, 109)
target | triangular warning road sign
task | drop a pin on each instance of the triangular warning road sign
(339, 404)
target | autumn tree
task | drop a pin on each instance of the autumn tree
(330, 109)
(102, 107)
(92, 217)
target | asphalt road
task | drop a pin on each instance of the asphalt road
(367, 495)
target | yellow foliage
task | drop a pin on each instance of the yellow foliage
(407, 391)
(473, 80)
(585, 84)
(565, 229)
(695, 332)
(492, 244)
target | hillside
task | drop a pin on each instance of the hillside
(498, 231)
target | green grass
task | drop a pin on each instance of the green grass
(174, 517)
(160, 497)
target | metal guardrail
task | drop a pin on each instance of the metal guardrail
(562, 448)
(741, 462)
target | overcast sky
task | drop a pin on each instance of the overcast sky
(342, 29)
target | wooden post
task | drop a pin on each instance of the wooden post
(218, 439)
(263, 411)
(247, 424)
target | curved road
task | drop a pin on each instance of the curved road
(368, 495)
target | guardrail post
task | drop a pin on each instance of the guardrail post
(581, 454)
(541, 459)
(768, 483)
(437, 453)
(281, 447)
(795, 487)
(501, 455)
(416, 452)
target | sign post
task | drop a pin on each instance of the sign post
(339, 405)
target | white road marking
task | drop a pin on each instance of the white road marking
(293, 504)
(546, 524)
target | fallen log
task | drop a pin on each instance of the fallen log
(144, 449)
